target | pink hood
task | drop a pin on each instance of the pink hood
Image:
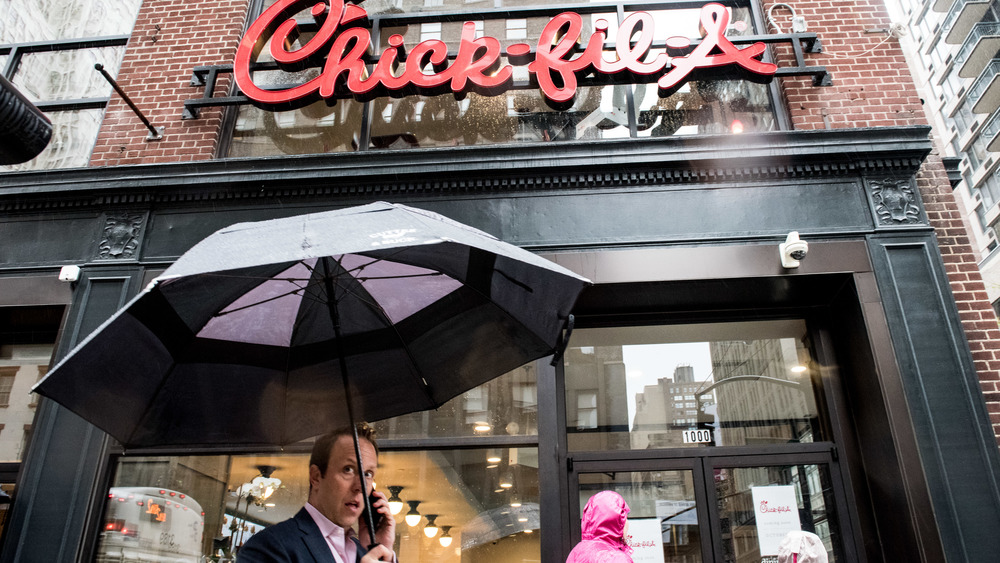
(603, 526)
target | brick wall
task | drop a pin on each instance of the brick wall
(872, 87)
(170, 38)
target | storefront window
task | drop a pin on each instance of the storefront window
(699, 385)
(505, 406)
(483, 503)
(519, 115)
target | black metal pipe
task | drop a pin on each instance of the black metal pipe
(153, 133)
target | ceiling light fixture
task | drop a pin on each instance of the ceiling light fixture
(412, 517)
(431, 529)
(395, 503)
(445, 538)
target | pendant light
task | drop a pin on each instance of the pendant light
(445, 538)
(431, 529)
(412, 517)
(395, 503)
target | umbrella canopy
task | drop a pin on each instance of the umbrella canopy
(246, 339)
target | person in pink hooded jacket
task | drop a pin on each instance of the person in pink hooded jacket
(604, 527)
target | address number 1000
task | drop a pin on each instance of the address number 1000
(697, 436)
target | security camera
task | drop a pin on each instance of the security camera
(69, 273)
(792, 250)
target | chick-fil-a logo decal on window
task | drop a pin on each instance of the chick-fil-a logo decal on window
(341, 42)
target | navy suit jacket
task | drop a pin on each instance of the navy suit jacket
(296, 540)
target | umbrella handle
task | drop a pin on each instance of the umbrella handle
(563, 341)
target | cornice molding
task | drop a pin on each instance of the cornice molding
(613, 164)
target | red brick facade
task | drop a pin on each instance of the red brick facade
(872, 87)
(170, 38)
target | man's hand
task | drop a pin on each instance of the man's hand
(385, 535)
(378, 553)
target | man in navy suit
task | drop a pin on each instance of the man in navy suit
(322, 532)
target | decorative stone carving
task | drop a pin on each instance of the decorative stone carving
(121, 236)
(895, 202)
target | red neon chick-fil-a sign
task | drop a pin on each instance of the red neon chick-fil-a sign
(341, 42)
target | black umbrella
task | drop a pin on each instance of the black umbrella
(240, 343)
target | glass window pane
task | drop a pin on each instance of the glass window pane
(194, 506)
(754, 504)
(66, 75)
(45, 20)
(505, 406)
(73, 137)
(317, 128)
(663, 511)
(726, 384)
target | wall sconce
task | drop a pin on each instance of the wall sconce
(431, 529)
(445, 538)
(412, 517)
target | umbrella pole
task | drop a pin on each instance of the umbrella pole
(331, 303)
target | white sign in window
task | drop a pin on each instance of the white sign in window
(777, 513)
(646, 540)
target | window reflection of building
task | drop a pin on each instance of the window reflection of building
(760, 399)
(597, 371)
(664, 410)
(62, 75)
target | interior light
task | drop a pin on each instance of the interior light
(799, 369)
(493, 456)
(412, 517)
(480, 426)
(736, 126)
(528, 531)
(445, 538)
(431, 529)
(506, 480)
(395, 503)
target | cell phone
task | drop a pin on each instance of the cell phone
(376, 515)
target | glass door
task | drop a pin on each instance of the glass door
(720, 436)
(667, 502)
(725, 509)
